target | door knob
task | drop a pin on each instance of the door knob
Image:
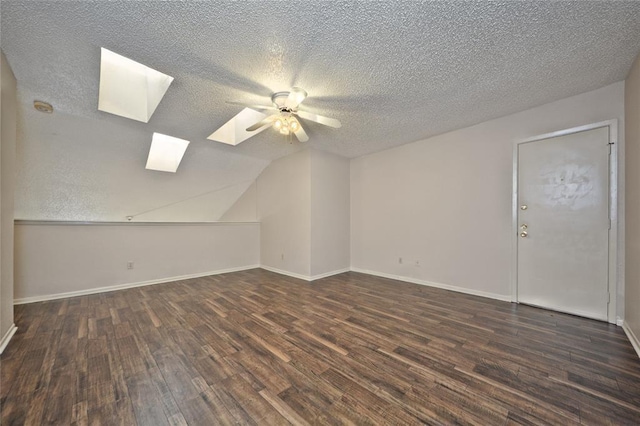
(523, 226)
(523, 207)
(523, 234)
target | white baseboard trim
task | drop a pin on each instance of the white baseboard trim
(7, 336)
(33, 299)
(287, 273)
(304, 277)
(502, 297)
(329, 274)
(632, 337)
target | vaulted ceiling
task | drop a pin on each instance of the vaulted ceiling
(392, 72)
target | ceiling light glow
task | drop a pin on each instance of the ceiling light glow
(165, 153)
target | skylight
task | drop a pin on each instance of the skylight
(234, 131)
(128, 88)
(166, 153)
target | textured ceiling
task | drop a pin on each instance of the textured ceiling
(392, 72)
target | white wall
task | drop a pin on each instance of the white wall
(60, 258)
(7, 179)
(632, 286)
(445, 202)
(330, 213)
(284, 202)
(245, 209)
(302, 202)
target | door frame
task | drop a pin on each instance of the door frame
(613, 209)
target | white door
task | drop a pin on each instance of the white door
(563, 223)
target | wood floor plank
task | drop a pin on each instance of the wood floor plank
(282, 408)
(254, 347)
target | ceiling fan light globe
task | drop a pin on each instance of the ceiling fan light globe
(294, 125)
(277, 124)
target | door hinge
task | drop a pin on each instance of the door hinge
(610, 143)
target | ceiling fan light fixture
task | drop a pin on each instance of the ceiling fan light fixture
(284, 130)
(285, 120)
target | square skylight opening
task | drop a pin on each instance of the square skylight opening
(165, 153)
(234, 131)
(128, 88)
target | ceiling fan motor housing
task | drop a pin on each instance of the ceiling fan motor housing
(279, 99)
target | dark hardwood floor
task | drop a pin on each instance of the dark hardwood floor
(255, 347)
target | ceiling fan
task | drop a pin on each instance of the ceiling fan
(284, 120)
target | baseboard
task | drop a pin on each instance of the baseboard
(7, 336)
(632, 337)
(329, 274)
(304, 277)
(95, 290)
(502, 297)
(287, 273)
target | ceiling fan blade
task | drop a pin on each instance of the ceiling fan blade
(295, 98)
(262, 107)
(331, 122)
(233, 131)
(262, 123)
(301, 134)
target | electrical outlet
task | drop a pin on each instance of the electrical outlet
(129, 265)
(400, 260)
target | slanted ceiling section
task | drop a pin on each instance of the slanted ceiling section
(207, 207)
(75, 168)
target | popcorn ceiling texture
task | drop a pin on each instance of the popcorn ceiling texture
(392, 72)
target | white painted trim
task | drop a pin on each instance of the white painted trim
(34, 299)
(287, 273)
(96, 290)
(7, 336)
(563, 310)
(564, 132)
(502, 297)
(612, 312)
(613, 209)
(86, 223)
(329, 274)
(632, 337)
(305, 277)
(514, 228)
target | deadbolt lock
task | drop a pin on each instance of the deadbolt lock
(523, 207)
(523, 226)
